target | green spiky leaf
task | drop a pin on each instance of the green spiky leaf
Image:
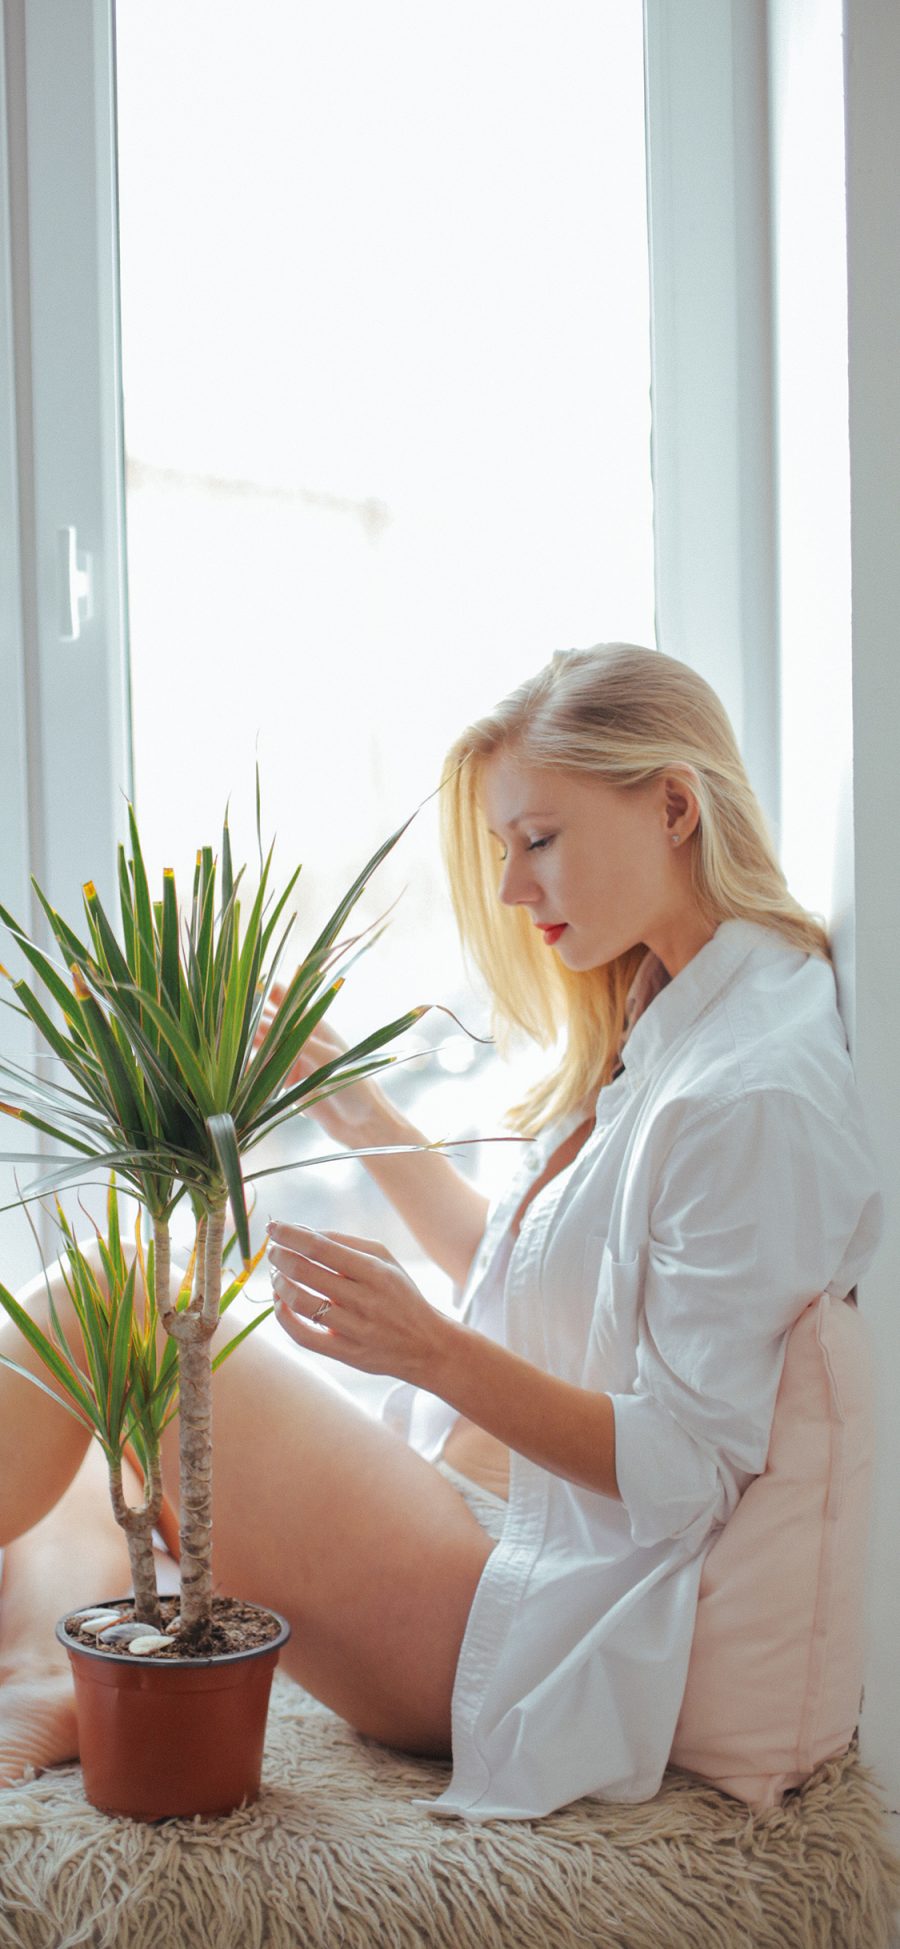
(222, 1131)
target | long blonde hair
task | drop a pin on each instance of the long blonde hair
(626, 715)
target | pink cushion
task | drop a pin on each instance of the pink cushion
(776, 1667)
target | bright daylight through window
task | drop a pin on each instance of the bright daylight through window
(386, 381)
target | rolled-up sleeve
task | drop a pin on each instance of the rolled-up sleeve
(756, 1205)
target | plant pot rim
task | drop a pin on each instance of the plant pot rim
(134, 1660)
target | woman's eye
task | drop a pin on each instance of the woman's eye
(532, 846)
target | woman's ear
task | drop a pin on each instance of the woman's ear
(681, 806)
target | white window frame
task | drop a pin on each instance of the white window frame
(61, 280)
(711, 339)
(15, 824)
(65, 753)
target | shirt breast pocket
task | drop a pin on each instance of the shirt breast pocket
(617, 1286)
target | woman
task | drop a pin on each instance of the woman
(507, 1566)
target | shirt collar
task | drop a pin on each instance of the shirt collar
(683, 1000)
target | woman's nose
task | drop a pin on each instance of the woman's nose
(517, 886)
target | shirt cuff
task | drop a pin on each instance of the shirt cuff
(670, 1484)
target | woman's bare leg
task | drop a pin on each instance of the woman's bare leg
(75, 1555)
(329, 1517)
(319, 1511)
(41, 1446)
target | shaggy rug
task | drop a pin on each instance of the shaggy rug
(332, 1856)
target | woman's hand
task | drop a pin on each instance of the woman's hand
(352, 1115)
(376, 1319)
(443, 1210)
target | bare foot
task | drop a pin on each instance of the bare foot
(37, 1722)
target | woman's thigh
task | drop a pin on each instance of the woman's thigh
(328, 1516)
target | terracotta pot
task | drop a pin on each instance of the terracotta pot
(180, 1737)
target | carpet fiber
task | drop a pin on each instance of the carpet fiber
(333, 1855)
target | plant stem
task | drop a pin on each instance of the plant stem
(162, 1265)
(199, 1286)
(194, 1332)
(138, 1525)
(214, 1242)
(195, 1467)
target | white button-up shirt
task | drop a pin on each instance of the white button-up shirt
(727, 1182)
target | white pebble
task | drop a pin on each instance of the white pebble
(173, 1629)
(94, 1625)
(140, 1645)
(123, 1633)
(107, 1610)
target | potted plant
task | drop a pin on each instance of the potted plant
(170, 1083)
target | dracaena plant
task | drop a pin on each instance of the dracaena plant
(170, 1084)
(126, 1390)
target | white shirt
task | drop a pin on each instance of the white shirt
(727, 1182)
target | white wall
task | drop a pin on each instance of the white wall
(872, 53)
(764, 582)
(836, 258)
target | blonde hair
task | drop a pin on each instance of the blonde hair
(626, 715)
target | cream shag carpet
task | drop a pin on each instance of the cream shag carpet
(333, 1855)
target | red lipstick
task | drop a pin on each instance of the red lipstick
(552, 934)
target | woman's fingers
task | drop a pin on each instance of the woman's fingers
(306, 1267)
(341, 1251)
(308, 1275)
(320, 1047)
(300, 1299)
(287, 1292)
(316, 1339)
(371, 1246)
(322, 1038)
(375, 1318)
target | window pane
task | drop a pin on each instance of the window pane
(386, 369)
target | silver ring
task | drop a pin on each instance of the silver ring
(318, 1316)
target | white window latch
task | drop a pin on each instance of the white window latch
(76, 594)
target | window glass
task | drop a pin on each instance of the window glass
(386, 392)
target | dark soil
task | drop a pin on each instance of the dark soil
(234, 1627)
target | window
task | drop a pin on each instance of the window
(385, 329)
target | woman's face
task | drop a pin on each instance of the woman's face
(594, 864)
